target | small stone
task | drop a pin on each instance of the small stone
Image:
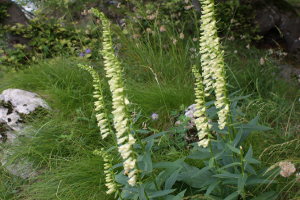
(262, 61)
(287, 168)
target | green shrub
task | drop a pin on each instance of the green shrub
(49, 37)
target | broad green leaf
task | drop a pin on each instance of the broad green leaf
(233, 149)
(249, 154)
(145, 162)
(160, 193)
(142, 195)
(250, 169)
(238, 138)
(121, 178)
(199, 155)
(172, 179)
(211, 188)
(200, 171)
(246, 129)
(232, 196)
(230, 182)
(177, 197)
(117, 165)
(151, 137)
(149, 145)
(195, 177)
(128, 194)
(252, 161)
(163, 176)
(211, 162)
(167, 165)
(231, 165)
(227, 175)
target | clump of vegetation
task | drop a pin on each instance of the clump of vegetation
(49, 37)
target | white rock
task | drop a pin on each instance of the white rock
(11, 137)
(23, 102)
(13, 121)
(15, 104)
(3, 114)
(19, 167)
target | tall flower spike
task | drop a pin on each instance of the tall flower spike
(113, 70)
(212, 61)
(110, 180)
(201, 120)
(101, 114)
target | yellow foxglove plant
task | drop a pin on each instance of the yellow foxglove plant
(220, 161)
(212, 61)
(110, 180)
(201, 121)
(113, 70)
(101, 114)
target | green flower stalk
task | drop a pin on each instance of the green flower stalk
(113, 70)
(212, 61)
(101, 114)
(201, 120)
(110, 180)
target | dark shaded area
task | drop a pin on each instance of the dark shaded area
(278, 23)
(15, 16)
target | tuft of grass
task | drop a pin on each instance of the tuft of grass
(9, 185)
(76, 178)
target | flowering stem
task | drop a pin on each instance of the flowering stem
(113, 70)
(212, 61)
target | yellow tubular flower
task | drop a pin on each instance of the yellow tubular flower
(212, 61)
(113, 70)
(201, 120)
(99, 104)
(110, 181)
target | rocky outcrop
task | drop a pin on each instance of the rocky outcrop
(15, 106)
(278, 22)
(15, 15)
(289, 72)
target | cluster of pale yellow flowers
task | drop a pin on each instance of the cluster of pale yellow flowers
(101, 114)
(110, 182)
(113, 70)
(212, 61)
(213, 74)
(201, 120)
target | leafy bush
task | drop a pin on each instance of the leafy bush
(49, 37)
